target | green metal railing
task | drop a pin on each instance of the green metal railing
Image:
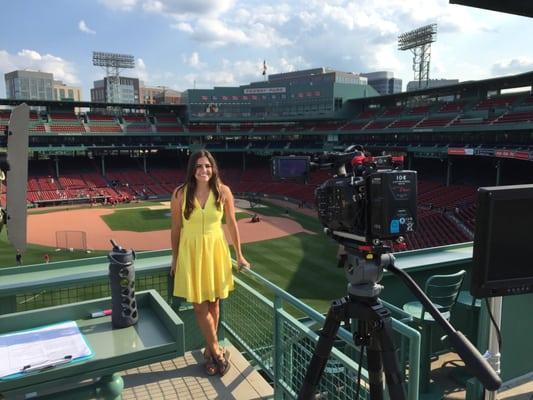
(283, 346)
(280, 344)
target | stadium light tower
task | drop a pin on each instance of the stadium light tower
(113, 63)
(419, 42)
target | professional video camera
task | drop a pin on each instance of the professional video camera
(376, 202)
(363, 210)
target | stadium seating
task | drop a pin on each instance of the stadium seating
(268, 128)
(203, 128)
(378, 124)
(354, 126)
(419, 110)
(515, 117)
(496, 102)
(434, 122)
(452, 107)
(367, 114)
(404, 123)
(392, 111)
(102, 123)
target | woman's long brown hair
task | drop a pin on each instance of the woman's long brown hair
(190, 182)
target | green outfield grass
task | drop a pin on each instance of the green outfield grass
(138, 220)
(305, 265)
(144, 219)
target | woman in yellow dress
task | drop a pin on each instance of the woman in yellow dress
(201, 261)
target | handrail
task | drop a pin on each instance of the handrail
(412, 335)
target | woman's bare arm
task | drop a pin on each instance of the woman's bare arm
(175, 211)
(229, 210)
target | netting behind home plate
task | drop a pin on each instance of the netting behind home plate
(71, 240)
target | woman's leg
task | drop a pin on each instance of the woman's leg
(214, 310)
(207, 326)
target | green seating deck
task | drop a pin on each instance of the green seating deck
(265, 329)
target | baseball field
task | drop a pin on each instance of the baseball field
(286, 246)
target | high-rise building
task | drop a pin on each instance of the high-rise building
(29, 85)
(384, 82)
(432, 83)
(126, 91)
(66, 92)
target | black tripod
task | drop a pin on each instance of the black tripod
(374, 329)
(363, 265)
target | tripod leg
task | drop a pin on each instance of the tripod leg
(389, 357)
(375, 373)
(323, 348)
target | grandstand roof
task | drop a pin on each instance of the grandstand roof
(518, 7)
(499, 83)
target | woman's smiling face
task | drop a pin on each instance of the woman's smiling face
(204, 170)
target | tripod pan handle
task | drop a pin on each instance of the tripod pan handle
(475, 362)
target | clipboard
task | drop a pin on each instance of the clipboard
(34, 350)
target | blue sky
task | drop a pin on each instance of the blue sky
(182, 43)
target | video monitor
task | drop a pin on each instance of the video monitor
(290, 167)
(503, 236)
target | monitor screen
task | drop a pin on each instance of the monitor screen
(290, 167)
(503, 234)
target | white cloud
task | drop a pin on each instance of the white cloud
(351, 35)
(82, 26)
(119, 5)
(33, 60)
(180, 9)
(193, 60)
(514, 66)
(235, 73)
(217, 33)
(141, 71)
(265, 14)
(176, 9)
(184, 27)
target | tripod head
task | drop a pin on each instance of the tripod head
(363, 263)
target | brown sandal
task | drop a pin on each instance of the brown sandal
(223, 363)
(210, 366)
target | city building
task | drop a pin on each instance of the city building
(432, 83)
(384, 82)
(319, 93)
(158, 95)
(126, 91)
(66, 92)
(29, 85)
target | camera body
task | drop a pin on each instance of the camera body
(372, 204)
(375, 202)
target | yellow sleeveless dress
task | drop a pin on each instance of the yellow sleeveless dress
(203, 270)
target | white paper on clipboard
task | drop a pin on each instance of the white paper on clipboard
(41, 347)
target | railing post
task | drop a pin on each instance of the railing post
(278, 346)
(221, 332)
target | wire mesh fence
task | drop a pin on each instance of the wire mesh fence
(71, 240)
(268, 335)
